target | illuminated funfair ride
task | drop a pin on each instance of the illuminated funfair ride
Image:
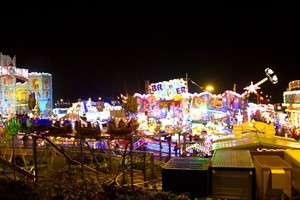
(252, 88)
(168, 106)
(256, 115)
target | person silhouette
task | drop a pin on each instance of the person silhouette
(176, 149)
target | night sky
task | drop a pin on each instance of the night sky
(102, 50)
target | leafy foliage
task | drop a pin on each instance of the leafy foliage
(27, 127)
(16, 189)
(12, 126)
(66, 184)
(131, 104)
(70, 185)
(31, 101)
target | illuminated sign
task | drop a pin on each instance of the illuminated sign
(291, 97)
(166, 90)
(293, 85)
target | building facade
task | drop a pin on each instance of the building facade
(18, 88)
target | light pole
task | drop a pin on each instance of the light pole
(208, 88)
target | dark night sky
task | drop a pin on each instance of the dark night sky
(106, 49)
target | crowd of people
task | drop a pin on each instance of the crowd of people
(289, 132)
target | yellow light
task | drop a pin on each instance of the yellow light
(209, 88)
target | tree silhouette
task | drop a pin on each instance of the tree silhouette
(131, 104)
(31, 101)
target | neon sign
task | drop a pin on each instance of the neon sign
(293, 85)
(166, 90)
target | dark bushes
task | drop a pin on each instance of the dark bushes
(70, 185)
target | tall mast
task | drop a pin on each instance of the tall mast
(147, 87)
(187, 82)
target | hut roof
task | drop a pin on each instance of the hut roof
(256, 139)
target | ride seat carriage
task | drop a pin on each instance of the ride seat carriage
(88, 129)
(122, 131)
(64, 128)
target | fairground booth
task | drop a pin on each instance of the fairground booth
(168, 107)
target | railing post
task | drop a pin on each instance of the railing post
(160, 147)
(169, 138)
(13, 152)
(82, 155)
(131, 160)
(144, 168)
(184, 144)
(34, 139)
(152, 164)
(179, 143)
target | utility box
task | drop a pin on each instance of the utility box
(233, 174)
(187, 175)
(292, 156)
(273, 177)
